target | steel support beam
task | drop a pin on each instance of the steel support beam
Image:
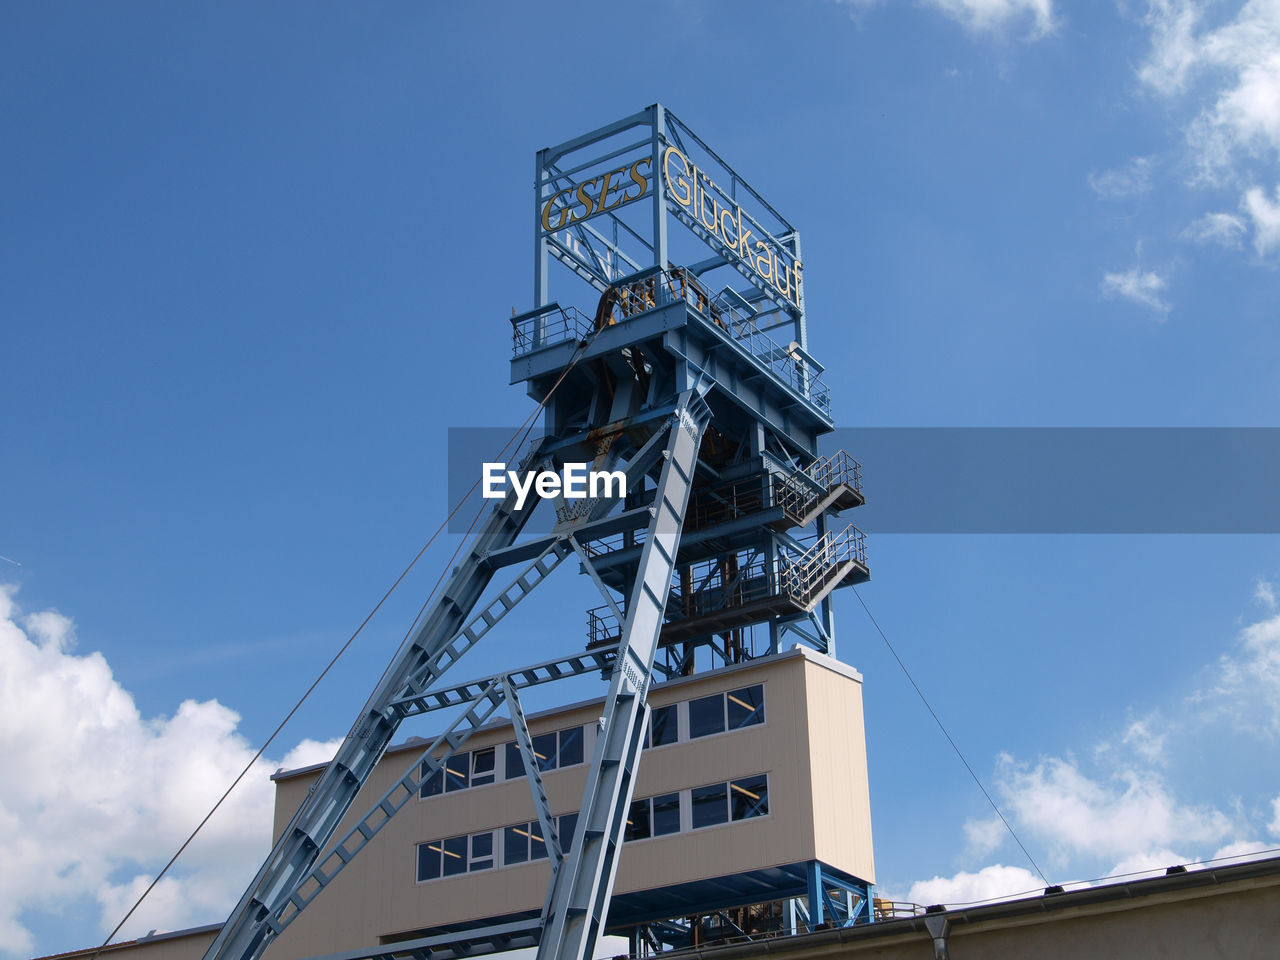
(580, 891)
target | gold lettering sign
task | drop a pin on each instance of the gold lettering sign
(688, 186)
(597, 195)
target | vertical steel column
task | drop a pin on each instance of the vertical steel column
(580, 891)
(659, 115)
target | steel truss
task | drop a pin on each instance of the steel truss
(724, 526)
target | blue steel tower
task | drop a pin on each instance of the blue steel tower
(686, 369)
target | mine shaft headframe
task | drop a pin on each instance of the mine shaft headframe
(607, 201)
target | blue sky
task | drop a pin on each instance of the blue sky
(257, 262)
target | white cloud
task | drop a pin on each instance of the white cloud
(1265, 593)
(1274, 825)
(1222, 228)
(97, 797)
(990, 16)
(1265, 216)
(994, 16)
(1150, 863)
(1139, 286)
(1147, 737)
(1125, 815)
(989, 883)
(1130, 180)
(983, 837)
(1247, 687)
(1231, 72)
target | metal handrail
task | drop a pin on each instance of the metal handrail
(547, 328)
(658, 288)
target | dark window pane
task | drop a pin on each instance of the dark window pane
(638, 821)
(481, 851)
(482, 767)
(515, 765)
(568, 823)
(544, 751)
(749, 797)
(457, 772)
(537, 845)
(570, 746)
(515, 844)
(706, 716)
(666, 814)
(433, 786)
(662, 726)
(746, 706)
(455, 856)
(709, 806)
(428, 860)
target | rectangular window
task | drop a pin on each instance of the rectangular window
(568, 823)
(749, 797)
(537, 845)
(429, 855)
(710, 805)
(544, 751)
(482, 762)
(570, 746)
(433, 786)
(457, 772)
(706, 716)
(481, 851)
(638, 824)
(515, 844)
(746, 706)
(666, 814)
(515, 763)
(455, 856)
(663, 728)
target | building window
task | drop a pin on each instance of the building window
(726, 711)
(663, 726)
(523, 842)
(455, 856)
(567, 824)
(749, 797)
(709, 805)
(666, 814)
(433, 786)
(638, 821)
(745, 706)
(563, 748)
(482, 767)
(706, 716)
(481, 851)
(457, 772)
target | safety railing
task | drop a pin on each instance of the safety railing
(547, 327)
(724, 583)
(836, 469)
(805, 575)
(659, 288)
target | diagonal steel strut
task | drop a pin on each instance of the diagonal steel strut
(248, 931)
(580, 889)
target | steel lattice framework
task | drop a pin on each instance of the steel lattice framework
(706, 398)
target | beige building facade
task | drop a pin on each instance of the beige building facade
(752, 771)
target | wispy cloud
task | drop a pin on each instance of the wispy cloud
(1265, 216)
(1223, 78)
(1264, 592)
(1143, 287)
(1130, 180)
(1225, 229)
(990, 17)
